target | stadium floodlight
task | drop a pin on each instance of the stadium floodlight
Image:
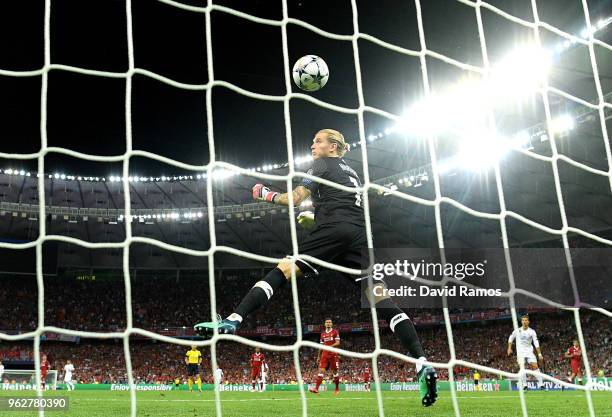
(221, 174)
(446, 166)
(462, 108)
(521, 139)
(22, 173)
(479, 150)
(520, 72)
(563, 124)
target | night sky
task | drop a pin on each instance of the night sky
(86, 113)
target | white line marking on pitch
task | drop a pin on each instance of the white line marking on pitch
(287, 399)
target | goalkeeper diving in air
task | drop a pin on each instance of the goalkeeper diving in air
(338, 237)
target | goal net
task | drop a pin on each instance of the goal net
(25, 379)
(488, 73)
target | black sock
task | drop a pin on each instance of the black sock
(401, 325)
(261, 292)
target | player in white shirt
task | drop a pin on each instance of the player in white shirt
(1, 371)
(219, 379)
(68, 370)
(526, 340)
(264, 374)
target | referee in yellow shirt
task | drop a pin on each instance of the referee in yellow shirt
(476, 381)
(193, 359)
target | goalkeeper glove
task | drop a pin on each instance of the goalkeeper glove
(306, 219)
(261, 192)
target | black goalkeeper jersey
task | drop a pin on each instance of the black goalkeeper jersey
(331, 204)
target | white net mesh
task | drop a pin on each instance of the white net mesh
(600, 105)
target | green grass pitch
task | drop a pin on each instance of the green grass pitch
(350, 404)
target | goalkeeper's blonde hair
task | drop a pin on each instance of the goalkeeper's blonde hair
(338, 139)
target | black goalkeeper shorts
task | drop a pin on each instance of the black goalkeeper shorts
(192, 369)
(343, 244)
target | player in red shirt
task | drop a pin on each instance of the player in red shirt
(328, 360)
(366, 378)
(574, 354)
(44, 368)
(258, 360)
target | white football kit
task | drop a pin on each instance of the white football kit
(68, 370)
(219, 376)
(526, 340)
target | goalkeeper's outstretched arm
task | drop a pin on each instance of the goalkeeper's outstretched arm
(299, 194)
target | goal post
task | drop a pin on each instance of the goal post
(25, 379)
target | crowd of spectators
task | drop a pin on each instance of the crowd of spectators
(160, 302)
(483, 343)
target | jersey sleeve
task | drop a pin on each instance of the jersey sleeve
(512, 337)
(321, 338)
(318, 169)
(337, 338)
(536, 343)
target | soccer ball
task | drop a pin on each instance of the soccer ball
(310, 73)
